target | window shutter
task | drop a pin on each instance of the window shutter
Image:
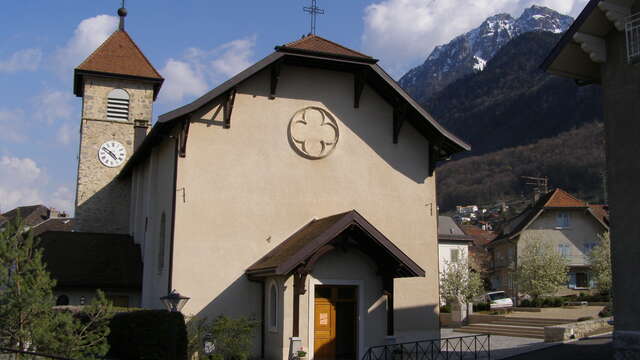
(118, 105)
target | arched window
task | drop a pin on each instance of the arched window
(273, 307)
(161, 242)
(118, 105)
(62, 300)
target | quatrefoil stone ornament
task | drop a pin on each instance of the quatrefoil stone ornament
(313, 132)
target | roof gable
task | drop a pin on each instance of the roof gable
(310, 242)
(117, 56)
(319, 45)
(561, 198)
(120, 55)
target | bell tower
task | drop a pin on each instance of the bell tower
(118, 86)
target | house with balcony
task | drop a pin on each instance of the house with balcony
(571, 225)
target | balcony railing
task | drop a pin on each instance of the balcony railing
(476, 347)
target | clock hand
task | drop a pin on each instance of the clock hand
(110, 153)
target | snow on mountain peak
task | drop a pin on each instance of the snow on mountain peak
(471, 51)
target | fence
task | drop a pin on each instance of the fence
(476, 347)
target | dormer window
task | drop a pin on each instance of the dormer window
(118, 105)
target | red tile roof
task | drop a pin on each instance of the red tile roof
(480, 237)
(601, 212)
(120, 55)
(561, 198)
(315, 43)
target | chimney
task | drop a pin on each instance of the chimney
(140, 132)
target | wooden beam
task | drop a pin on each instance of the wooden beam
(182, 138)
(399, 114)
(388, 290)
(433, 159)
(358, 87)
(275, 77)
(299, 281)
(228, 108)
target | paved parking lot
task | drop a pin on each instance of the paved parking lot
(505, 346)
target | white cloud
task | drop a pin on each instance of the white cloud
(11, 123)
(52, 105)
(89, 34)
(236, 56)
(182, 79)
(23, 182)
(26, 59)
(192, 74)
(403, 32)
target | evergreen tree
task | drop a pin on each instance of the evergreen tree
(26, 295)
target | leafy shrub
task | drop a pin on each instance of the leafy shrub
(585, 318)
(148, 335)
(481, 306)
(233, 336)
(558, 302)
(606, 311)
(547, 302)
(525, 303)
(445, 309)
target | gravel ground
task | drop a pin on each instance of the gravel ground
(505, 346)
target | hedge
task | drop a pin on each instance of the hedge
(148, 335)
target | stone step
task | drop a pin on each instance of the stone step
(527, 322)
(501, 332)
(550, 320)
(532, 329)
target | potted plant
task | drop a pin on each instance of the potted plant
(302, 355)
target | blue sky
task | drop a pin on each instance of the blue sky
(195, 44)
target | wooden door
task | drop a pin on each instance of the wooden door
(324, 329)
(335, 330)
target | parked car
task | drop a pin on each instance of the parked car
(497, 300)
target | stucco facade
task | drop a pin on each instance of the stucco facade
(243, 190)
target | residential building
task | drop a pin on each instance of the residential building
(453, 244)
(569, 224)
(293, 193)
(601, 47)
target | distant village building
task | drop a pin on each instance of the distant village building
(602, 47)
(453, 244)
(293, 193)
(466, 210)
(569, 224)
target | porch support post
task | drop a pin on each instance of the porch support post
(275, 76)
(228, 108)
(388, 290)
(399, 114)
(299, 280)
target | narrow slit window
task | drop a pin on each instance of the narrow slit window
(273, 307)
(118, 105)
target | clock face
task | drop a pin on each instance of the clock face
(112, 153)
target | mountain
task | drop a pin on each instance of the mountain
(469, 53)
(573, 160)
(512, 102)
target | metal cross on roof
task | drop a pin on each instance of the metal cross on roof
(313, 10)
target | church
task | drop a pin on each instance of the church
(300, 192)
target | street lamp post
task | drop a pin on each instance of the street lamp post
(174, 301)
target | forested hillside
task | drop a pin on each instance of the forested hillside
(573, 161)
(512, 102)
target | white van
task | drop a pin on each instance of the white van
(498, 300)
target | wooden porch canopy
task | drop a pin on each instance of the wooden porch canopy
(298, 255)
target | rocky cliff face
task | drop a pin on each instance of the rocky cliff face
(469, 53)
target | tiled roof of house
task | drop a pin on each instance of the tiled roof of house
(30, 215)
(315, 43)
(601, 212)
(77, 259)
(120, 55)
(480, 237)
(448, 230)
(53, 224)
(557, 198)
(561, 198)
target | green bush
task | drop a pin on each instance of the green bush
(558, 302)
(481, 307)
(233, 337)
(445, 309)
(606, 311)
(148, 335)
